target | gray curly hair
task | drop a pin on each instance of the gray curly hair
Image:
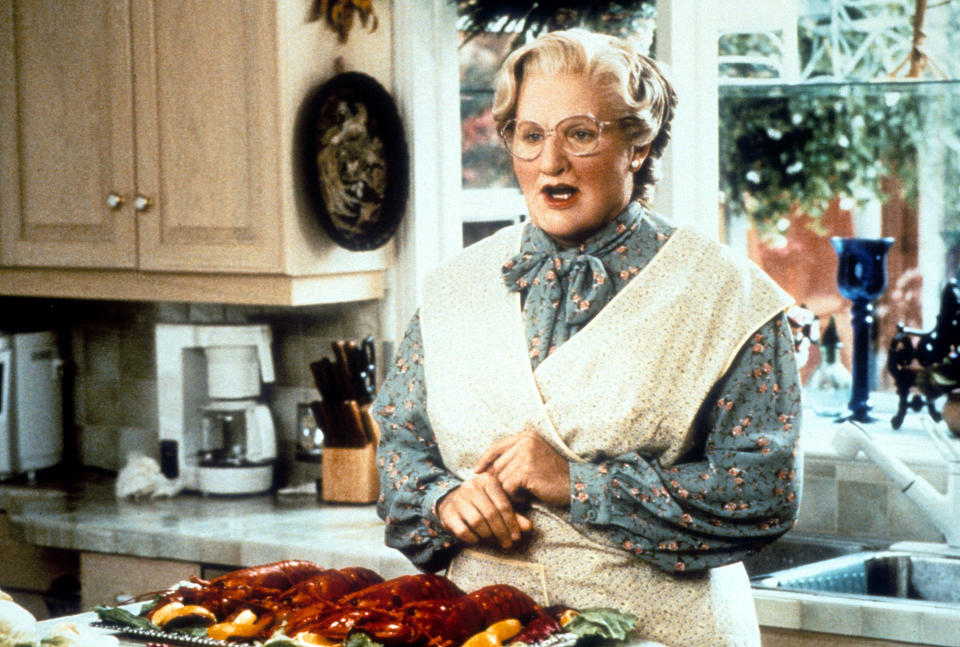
(640, 93)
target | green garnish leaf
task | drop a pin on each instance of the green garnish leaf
(120, 616)
(280, 639)
(360, 639)
(602, 622)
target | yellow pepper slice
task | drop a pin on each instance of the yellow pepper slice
(567, 616)
(244, 625)
(495, 634)
(177, 613)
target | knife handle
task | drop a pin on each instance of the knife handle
(360, 374)
(343, 369)
(325, 376)
(373, 429)
(353, 422)
(331, 435)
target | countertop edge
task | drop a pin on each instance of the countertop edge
(905, 621)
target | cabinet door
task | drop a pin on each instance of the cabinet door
(207, 129)
(66, 133)
(29, 571)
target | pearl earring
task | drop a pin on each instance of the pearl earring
(635, 164)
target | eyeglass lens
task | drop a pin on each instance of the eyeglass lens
(577, 135)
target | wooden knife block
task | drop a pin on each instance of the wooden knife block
(350, 474)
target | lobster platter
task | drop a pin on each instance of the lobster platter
(300, 604)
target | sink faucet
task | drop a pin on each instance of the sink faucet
(943, 510)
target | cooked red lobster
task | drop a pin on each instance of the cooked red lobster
(408, 611)
(224, 594)
(327, 586)
(254, 588)
(438, 621)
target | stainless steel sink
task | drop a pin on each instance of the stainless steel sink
(885, 574)
(797, 549)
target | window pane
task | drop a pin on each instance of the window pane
(864, 142)
(485, 163)
(802, 163)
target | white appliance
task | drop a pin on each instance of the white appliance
(31, 415)
(215, 433)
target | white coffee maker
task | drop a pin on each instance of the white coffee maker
(215, 433)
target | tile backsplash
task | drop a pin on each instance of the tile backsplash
(111, 384)
(853, 498)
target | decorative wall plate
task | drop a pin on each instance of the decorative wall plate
(354, 161)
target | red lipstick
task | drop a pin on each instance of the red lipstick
(559, 196)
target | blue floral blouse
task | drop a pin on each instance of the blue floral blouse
(738, 491)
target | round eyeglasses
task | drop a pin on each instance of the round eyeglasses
(578, 135)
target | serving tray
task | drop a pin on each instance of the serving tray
(163, 637)
(561, 639)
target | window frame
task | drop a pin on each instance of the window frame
(424, 37)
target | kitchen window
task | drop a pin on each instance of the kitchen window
(855, 132)
(819, 133)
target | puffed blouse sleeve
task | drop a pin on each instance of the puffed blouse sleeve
(412, 475)
(737, 492)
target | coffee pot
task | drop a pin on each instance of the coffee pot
(237, 433)
(215, 432)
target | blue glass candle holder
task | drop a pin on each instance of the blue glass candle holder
(861, 277)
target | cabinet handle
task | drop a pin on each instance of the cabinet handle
(115, 201)
(142, 203)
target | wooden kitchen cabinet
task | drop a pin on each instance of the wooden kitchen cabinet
(148, 147)
(109, 579)
(28, 572)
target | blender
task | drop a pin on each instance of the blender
(215, 433)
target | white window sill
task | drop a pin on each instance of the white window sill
(910, 443)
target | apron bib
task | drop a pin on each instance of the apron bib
(631, 380)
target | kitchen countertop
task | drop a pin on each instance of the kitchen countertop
(229, 531)
(237, 531)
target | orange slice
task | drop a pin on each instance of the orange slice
(505, 629)
(190, 614)
(315, 639)
(160, 615)
(244, 625)
(495, 634)
(567, 616)
(482, 639)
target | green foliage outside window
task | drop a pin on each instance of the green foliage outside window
(854, 127)
(814, 145)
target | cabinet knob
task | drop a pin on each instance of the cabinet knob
(142, 203)
(115, 201)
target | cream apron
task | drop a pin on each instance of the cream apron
(631, 380)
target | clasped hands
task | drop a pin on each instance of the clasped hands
(513, 471)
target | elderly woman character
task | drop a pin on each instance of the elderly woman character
(597, 406)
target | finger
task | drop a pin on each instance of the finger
(525, 524)
(479, 523)
(525, 449)
(493, 452)
(475, 509)
(510, 457)
(459, 529)
(504, 506)
(454, 511)
(513, 481)
(499, 514)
